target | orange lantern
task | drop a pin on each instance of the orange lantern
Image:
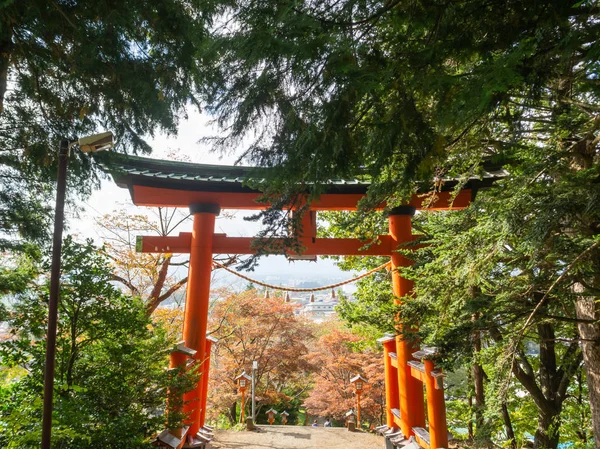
(243, 380)
(284, 416)
(359, 383)
(271, 416)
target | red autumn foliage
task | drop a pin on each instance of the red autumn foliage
(335, 360)
(249, 328)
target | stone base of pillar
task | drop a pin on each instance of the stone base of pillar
(250, 424)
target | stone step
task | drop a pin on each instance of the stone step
(405, 443)
(166, 439)
(381, 429)
(197, 441)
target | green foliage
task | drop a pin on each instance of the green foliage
(513, 267)
(394, 92)
(110, 381)
(375, 309)
(70, 69)
(17, 273)
(578, 428)
(496, 269)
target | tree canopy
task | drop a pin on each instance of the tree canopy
(403, 94)
(250, 328)
(391, 89)
(110, 376)
(69, 69)
(336, 357)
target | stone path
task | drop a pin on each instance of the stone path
(296, 437)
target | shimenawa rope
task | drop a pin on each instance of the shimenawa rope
(292, 289)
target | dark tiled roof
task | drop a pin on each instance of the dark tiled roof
(133, 170)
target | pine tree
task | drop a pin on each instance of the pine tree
(69, 69)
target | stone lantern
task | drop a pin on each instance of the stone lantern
(350, 420)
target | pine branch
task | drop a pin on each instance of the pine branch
(573, 358)
(542, 301)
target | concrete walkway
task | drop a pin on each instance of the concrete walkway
(296, 437)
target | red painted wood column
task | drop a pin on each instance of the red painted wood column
(177, 361)
(436, 408)
(391, 379)
(412, 409)
(196, 301)
(209, 341)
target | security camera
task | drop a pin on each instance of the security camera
(96, 142)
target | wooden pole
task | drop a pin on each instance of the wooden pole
(391, 382)
(59, 215)
(242, 405)
(197, 299)
(412, 410)
(208, 347)
(358, 409)
(436, 409)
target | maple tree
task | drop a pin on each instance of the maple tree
(250, 327)
(171, 320)
(152, 276)
(336, 357)
(148, 275)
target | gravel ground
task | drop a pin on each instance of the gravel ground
(296, 437)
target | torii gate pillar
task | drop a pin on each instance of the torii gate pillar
(197, 301)
(412, 409)
(209, 342)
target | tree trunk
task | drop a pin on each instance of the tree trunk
(589, 333)
(478, 383)
(510, 433)
(154, 299)
(478, 379)
(233, 413)
(5, 52)
(547, 434)
(582, 433)
(470, 404)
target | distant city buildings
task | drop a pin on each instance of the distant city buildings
(319, 310)
(316, 307)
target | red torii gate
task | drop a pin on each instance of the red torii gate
(206, 189)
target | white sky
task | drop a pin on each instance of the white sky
(111, 198)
